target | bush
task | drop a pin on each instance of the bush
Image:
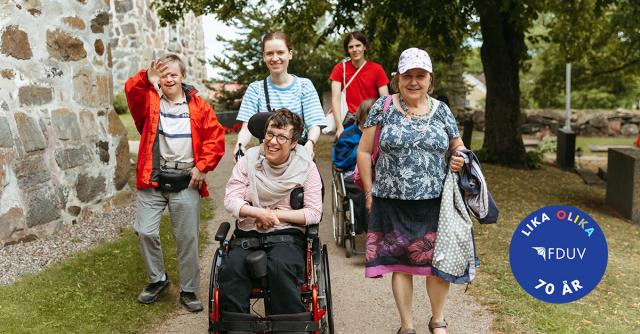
(548, 144)
(533, 160)
(120, 104)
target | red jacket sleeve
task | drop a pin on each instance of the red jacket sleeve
(212, 137)
(137, 89)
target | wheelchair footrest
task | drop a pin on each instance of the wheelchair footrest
(249, 323)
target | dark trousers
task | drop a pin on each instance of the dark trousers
(285, 273)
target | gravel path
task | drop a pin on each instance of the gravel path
(360, 305)
(34, 256)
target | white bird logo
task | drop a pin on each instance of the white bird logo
(541, 252)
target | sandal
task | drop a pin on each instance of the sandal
(406, 331)
(439, 324)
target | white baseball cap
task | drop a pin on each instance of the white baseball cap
(414, 58)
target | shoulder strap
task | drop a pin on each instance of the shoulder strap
(387, 103)
(266, 95)
(344, 74)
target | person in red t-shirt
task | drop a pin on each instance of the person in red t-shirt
(370, 81)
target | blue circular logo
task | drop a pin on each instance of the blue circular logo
(558, 254)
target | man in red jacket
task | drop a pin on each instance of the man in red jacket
(181, 140)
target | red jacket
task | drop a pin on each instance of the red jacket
(207, 135)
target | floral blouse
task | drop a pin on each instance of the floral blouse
(412, 162)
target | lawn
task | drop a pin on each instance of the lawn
(132, 132)
(612, 307)
(94, 291)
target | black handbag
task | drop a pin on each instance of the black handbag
(173, 182)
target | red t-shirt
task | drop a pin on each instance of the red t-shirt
(364, 86)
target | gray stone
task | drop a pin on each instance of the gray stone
(34, 95)
(32, 171)
(43, 205)
(629, 129)
(598, 121)
(623, 182)
(65, 124)
(65, 47)
(6, 138)
(103, 151)
(74, 210)
(123, 6)
(123, 164)
(11, 221)
(73, 157)
(129, 29)
(15, 43)
(30, 135)
(88, 125)
(99, 22)
(89, 187)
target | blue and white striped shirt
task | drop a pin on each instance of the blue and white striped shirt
(300, 97)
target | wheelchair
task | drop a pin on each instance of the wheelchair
(347, 212)
(315, 290)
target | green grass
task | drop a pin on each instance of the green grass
(132, 132)
(612, 307)
(94, 291)
(584, 142)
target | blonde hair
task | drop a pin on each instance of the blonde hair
(170, 58)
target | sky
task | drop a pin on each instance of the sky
(213, 28)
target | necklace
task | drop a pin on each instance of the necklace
(415, 115)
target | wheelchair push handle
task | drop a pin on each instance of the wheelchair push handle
(222, 232)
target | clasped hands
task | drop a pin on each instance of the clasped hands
(267, 219)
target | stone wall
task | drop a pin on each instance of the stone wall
(63, 150)
(583, 122)
(137, 38)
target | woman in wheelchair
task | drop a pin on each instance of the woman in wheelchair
(258, 195)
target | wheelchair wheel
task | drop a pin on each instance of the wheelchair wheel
(325, 281)
(337, 220)
(349, 237)
(213, 290)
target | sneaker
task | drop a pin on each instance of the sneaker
(190, 301)
(152, 291)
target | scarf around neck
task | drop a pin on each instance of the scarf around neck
(271, 184)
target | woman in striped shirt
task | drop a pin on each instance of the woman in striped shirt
(283, 90)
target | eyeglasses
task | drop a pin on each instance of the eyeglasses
(281, 139)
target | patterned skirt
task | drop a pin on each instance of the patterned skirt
(401, 236)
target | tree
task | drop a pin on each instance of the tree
(605, 56)
(443, 28)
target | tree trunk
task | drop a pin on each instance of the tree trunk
(501, 52)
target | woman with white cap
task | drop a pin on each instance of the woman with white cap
(418, 134)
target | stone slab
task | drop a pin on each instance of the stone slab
(31, 171)
(89, 188)
(66, 124)
(30, 134)
(623, 182)
(6, 138)
(72, 157)
(44, 204)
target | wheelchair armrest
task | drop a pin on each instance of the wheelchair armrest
(221, 234)
(312, 231)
